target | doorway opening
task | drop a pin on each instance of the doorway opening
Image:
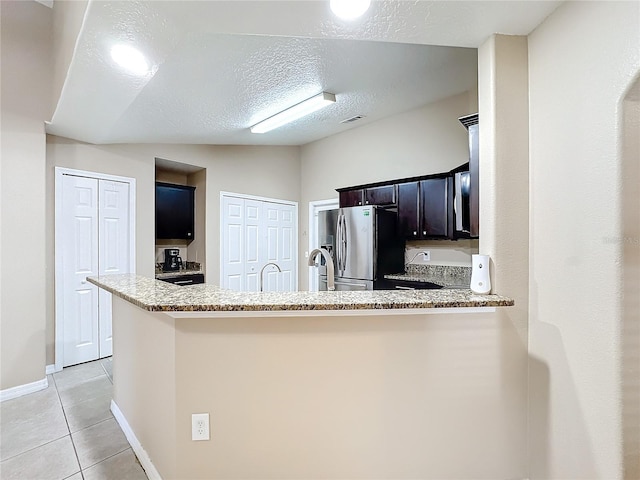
(314, 208)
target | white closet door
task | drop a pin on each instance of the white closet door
(253, 244)
(279, 247)
(79, 260)
(113, 255)
(254, 233)
(232, 245)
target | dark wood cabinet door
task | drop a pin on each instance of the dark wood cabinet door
(174, 211)
(351, 198)
(382, 195)
(433, 208)
(409, 210)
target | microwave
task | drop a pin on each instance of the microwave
(462, 203)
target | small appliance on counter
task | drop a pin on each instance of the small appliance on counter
(480, 279)
(172, 260)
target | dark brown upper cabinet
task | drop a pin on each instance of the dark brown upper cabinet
(423, 209)
(409, 210)
(434, 208)
(174, 211)
(382, 195)
(351, 198)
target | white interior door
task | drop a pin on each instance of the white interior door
(79, 258)
(254, 233)
(253, 244)
(279, 248)
(232, 241)
(95, 235)
(113, 251)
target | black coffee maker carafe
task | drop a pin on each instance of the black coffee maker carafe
(172, 260)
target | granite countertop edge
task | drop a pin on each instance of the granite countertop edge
(158, 296)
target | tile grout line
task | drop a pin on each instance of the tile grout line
(35, 448)
(50, 441)
(111, 456)
(64, 412)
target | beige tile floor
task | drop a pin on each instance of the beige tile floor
(66, 431)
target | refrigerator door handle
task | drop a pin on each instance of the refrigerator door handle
(338, 243)
(343, 244)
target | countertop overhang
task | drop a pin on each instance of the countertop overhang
(209, 300)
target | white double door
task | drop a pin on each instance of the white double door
(93, 239)
(255, 233)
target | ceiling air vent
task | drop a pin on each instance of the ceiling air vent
(469, 120)
(355, 118)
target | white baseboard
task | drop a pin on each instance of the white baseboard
(50, 369)
(21, 390)
(140, 452)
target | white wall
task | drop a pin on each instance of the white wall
(419, 142)
(582, 60)
(26, 70)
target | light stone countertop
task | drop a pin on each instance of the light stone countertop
(155, 295)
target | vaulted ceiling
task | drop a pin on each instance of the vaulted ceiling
(218, 67)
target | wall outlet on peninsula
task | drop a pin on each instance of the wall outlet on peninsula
(200, 426)
(426, 256)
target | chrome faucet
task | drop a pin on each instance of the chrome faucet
(328, 260)
(262, 271)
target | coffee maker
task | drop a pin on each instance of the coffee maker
(172, 260)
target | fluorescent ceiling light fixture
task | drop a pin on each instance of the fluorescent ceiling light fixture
(291, 114)
(349, 9)
(130, 59)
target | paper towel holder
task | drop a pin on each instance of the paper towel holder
(480, 277)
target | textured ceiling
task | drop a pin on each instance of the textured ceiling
(221, 66)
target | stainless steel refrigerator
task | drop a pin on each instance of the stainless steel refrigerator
(364, 244)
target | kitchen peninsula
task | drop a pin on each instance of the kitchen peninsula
(328, 387)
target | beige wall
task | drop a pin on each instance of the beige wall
(25, 103)
(504, 204)
(582, 59)
(419, 142)
(394, 396)
(68, 16)
(144, 356)
(263, 171)
(630, 176)
(197, 249)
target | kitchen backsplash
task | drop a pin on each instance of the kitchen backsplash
(195, 266)
(450, 274)
(442, 252)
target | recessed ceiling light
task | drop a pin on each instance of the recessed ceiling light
(130, 59)
(349, 9)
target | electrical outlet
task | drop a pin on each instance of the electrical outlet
(200, 426)
(426, 256)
